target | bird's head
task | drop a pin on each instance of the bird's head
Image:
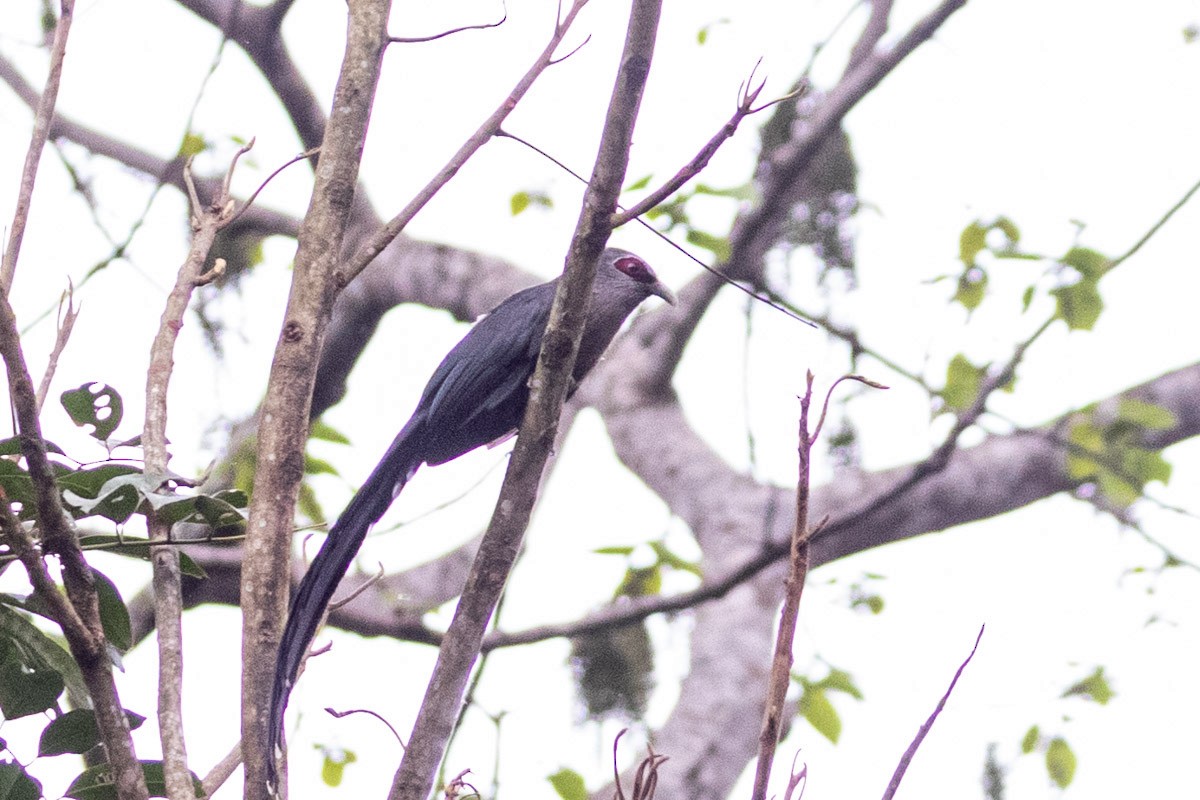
(628, 276)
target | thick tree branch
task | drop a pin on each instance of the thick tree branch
(285, 414)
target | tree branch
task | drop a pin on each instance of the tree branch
(41, 131)
(548, 389)
(285, 413)
(375, 244)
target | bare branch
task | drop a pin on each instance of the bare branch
(693, 168)
(793, 589)
(66, 323)
(168, 602)
(384, 236)
(41, 130)
(906, 759)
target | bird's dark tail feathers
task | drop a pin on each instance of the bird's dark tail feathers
(326, 572)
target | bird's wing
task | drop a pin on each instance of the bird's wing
(489, 368)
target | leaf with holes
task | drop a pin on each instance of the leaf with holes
(94, 404)
(26, 688)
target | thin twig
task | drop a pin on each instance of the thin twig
(250, 200)
(339, 714)
(66, 323)
(748, 94)
(907, 758)
(715, 272)
(793, 589)
(443, 34)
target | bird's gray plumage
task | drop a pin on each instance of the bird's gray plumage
(476, 396)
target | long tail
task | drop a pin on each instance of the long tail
(327, 571)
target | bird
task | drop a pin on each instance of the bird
(475, 397)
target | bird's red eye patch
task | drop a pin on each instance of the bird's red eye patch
(635, 268)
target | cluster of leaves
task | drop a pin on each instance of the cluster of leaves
(815, 705)
(1073, 282)
(36, 668)
(1059, 758)
(1111, 453)
(614, 668)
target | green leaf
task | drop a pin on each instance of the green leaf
(1027, 298)
(1091, 264)
(640, 183)
(26, 689)
(94, 404)
(518, 202)
(1030, 741)
(327, 433)
(972, 285)
(962, 383)
(318, 466)
(820, 713)
(971, 243)
(96, 783)
(640, 582)
(840, 681)
(1079, 305)
(568, 784)
(77, 732)
(1146, 415)
(333, 767)
(114, 616)
(192, 144)
(1116, 489)
(523, 200)
(1010, 230)
(116, 500)
(12, 446)
(1094, 687)
(614, 551)
(43, 652)
(1060, 762)
(17, 487)
(17, 784)
(717, 245)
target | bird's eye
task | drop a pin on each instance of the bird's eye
(635, 268)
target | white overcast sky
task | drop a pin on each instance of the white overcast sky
(1046, 112)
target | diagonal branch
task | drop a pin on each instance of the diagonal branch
(548, 389)
(41, 131)
(375, 244)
